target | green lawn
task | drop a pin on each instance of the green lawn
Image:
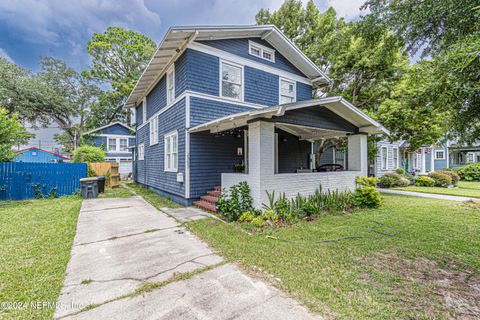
(428, 269)
(35, 241)
(465, 189)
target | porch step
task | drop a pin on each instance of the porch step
(214, 193)
(208, 206)
(210, 199)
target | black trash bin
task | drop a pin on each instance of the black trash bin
(101, 184)
(89, 187)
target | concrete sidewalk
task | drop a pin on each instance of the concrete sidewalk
(123, 244)
(425, 195)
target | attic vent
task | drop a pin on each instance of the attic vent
(261, 52)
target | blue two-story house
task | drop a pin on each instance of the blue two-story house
(117, 139)
(218, 105)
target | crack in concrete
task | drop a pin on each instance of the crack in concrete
(125, 236)
(166, 282)
(146, 278)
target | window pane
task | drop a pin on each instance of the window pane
(112, 144)
(267, 55)
(287, 88)
(167, 146)
(255, 51)
(231, 73)
(174, 161)
(123, 144)
(175, 144)
(285, 99)
(231, 90)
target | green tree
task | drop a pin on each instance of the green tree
(11, 133)
(88, 154)
(119, 57)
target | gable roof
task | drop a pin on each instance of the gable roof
(38, 149)
(177, 39)
(338, 105)
(107, 126)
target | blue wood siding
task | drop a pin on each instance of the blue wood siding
(439, 164)
(181, 74)
(316, 117)
(293, 153)
(202, 72)
(157, 98)
(38, 156)
(203, 110)
(304, 91)
(150, 171)
(210, 155)
(240, 47)
(115, 129)
(98, 141)
(261, 87)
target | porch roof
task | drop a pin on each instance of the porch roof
(338, 105)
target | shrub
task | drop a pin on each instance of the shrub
(88, 154)
(367, 197)
(386, 182)
(423, 181)
(400, 171)
(403, 182)
(452, 174)
(364, 181)
(441, 179)
(470, 172)
(247, 216)
(237, 200)
(258, 222)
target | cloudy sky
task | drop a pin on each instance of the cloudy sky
(61, 28)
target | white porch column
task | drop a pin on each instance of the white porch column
(261, 159)
(423, 163)
(357, 153)
(432, 159)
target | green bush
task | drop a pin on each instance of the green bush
(441, 179)
(237, 200)
(400, 171)
(470, 172)
(368, 197)
(258, 222)
(424, 181)
(364, 181)
(452, 174)
(402, 182)
(247, 216)
(88, 154)
(387, 182)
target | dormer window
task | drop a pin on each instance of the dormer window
(261, 52)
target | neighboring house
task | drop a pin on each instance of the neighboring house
(460, 154)
(223, 104)
(117, 139)
(34, 154)
(388, 158)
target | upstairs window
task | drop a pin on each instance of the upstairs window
(231, 84)
(154, 131)
(141, 151)
(123, 144)
(112, 144)
(171, 152)
(287, 91)
(261, 52)
(171, 85)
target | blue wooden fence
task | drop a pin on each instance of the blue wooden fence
(22, 180)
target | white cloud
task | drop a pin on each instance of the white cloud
(349, 9)
(4, 54)
(49, 21)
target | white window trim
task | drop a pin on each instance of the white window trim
(396, 164)
(437, 158)
(383, 151)
(141, 155)
(117, 143)
(262, 49)
(144, 109)
(153, 130)
(166, 138)
(280, 79)
(242, 89)
(171, 72)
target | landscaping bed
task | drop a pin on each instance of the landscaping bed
(423, 263)
(464, 189)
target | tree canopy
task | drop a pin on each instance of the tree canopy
(11, 133)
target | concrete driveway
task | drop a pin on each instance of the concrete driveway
(125, 245)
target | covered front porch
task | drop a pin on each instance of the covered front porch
(279, 146)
